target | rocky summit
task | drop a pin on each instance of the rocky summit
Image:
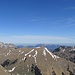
(34, 61)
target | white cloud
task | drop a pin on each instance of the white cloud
(35, 39)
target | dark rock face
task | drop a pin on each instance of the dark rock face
(72, 59)
(13, 62)
(8, 62)
(63, 73)
(66, 52)
(35, 70)
(71, 73)
(53, 73)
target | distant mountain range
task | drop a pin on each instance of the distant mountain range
(6, 45)
(49, 46)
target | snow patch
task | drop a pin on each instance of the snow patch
(12, 69)
(63, 50)
(44, 52)
(24, 58)
(22, 52)
(37, 47)
(8, 53)
(73, 49)
(35, 55)
(29, 55)
(19, 51)
(29, 52)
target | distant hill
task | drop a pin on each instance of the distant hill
(20, 46)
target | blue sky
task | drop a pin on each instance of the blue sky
(37, 21)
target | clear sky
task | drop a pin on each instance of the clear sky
(37, 21)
